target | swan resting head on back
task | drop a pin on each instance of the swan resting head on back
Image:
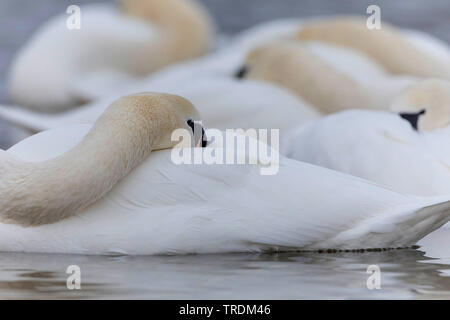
(294, 66)
(425, 104)
(388, 46)
(45, 192)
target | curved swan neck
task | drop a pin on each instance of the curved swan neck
(188, 25)
(296, 68)
(46, 192)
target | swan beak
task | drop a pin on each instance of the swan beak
(242, 72)
(203, 141)
(412, 118)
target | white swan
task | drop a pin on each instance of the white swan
(399, 52)
(163, 208)
(59, 68)
(224, 102)
(330, 78)
(406, 150)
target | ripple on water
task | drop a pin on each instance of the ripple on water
(405, 274)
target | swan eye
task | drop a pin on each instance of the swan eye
(199, 133)
(242, 72)
(412, 118)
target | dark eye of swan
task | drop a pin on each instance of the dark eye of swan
(412, 118)
(242, 72)
(199, 133)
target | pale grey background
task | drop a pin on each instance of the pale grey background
(19, 18)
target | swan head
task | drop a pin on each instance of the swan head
(281, 63)
(264, 62)
(186, 22)
(296, 67)
(426, 104)
(149, 119)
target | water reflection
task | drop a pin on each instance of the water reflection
(404, 274)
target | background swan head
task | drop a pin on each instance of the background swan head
(425, 104)
(189, 24)
(295, 66)
(388, 46)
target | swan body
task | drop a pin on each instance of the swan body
(224, 102)
(163, 208)
(58, 67)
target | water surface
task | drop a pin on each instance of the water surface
(405, 274)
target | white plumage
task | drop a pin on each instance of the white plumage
(163, 208)
(61, 68)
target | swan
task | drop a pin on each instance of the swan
(405, 150)
(58, 68)
(330, 78)
(223, 101)
(111, 188)
(399, 52)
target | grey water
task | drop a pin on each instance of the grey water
(405, 274)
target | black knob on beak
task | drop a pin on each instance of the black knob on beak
(200, 140)
(242, 72)
(412, 118)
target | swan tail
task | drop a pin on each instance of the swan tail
(27, 119)
(397, 228)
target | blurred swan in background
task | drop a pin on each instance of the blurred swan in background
(76, 189)
(330, 78)
(61, 68)
(408, 151)
(399, 52)
(225, 103)
(332, 72)
(209, 82)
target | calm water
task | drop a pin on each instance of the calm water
(405, 274)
